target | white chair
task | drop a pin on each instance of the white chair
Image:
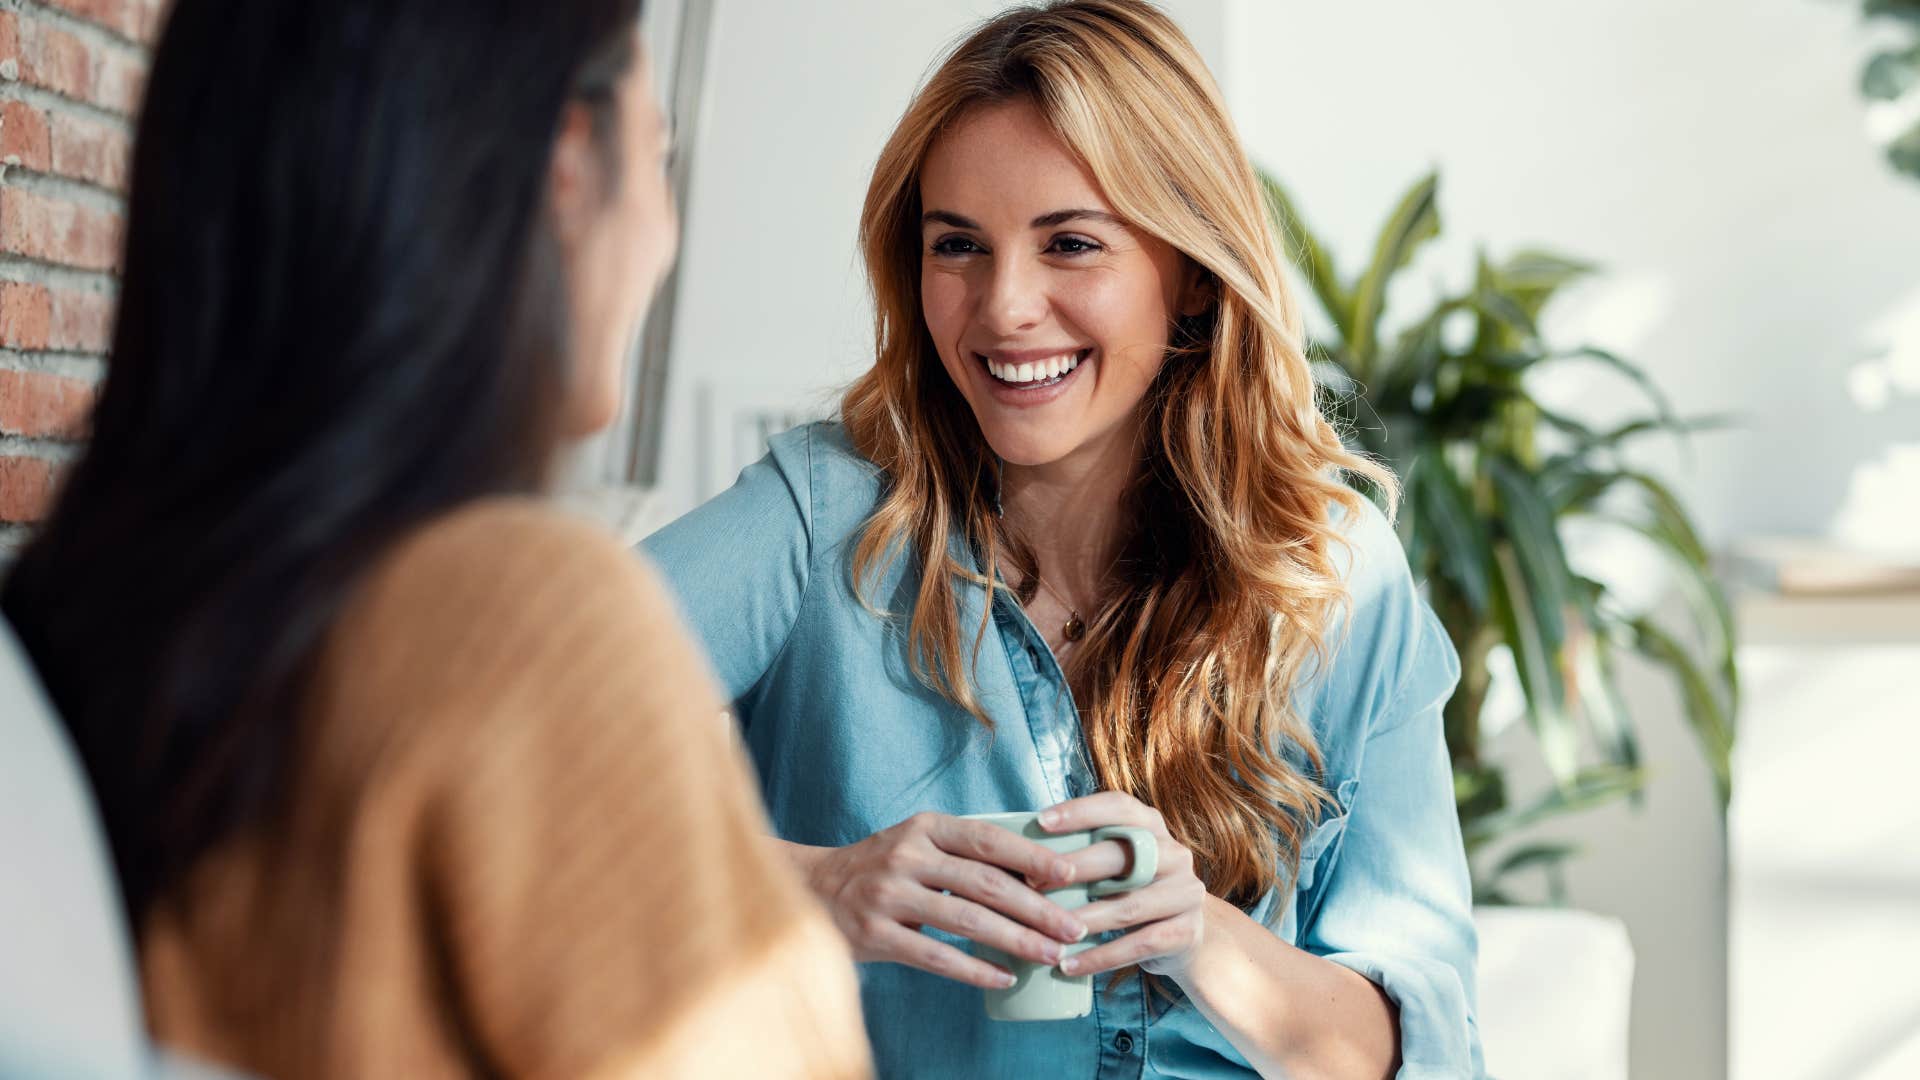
(69, 992)
(1556, 991)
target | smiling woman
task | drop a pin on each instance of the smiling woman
(1083, 544)
(1039, 294)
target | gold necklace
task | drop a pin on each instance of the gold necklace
(1075, 629)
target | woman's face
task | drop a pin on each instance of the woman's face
(617, 234)
(1050, 314)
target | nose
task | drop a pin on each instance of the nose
(1016, 298)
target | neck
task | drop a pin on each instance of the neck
(1069, 513)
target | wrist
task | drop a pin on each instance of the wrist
(1216, 940)
(810, 863)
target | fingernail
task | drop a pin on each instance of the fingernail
(1077, 932)
(1070, 966)
(1049, 818)
(1007, 980)
(1060, 871)
(1051, 953)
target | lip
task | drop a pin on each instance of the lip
(1028, 397)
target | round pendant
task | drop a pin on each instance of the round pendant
(1074, 630)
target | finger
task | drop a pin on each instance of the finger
(1161, 900)
(1100, 808)
(982, 842)
(1001, 891)
(897, 944)
(984, 925)
(1103, 861)
(1154, 939)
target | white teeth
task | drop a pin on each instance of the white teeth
(1035, 371)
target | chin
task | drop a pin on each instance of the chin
(1028, 447)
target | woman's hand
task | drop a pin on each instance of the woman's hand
(1169, 912)
(882, 890)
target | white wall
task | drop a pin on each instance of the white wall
(774, 310)
(1712, 154)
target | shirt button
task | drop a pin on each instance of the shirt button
(1123, 1042)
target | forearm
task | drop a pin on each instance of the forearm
(1289, 1012)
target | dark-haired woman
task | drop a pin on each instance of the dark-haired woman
(404, 773)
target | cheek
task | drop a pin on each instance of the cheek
(1124, 315)
(653, 228)
(944, 304)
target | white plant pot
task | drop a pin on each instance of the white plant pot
(1556, 989)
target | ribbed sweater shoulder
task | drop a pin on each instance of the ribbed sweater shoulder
(520, 841)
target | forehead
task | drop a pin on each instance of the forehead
(1003, 164)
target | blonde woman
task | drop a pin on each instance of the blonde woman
(1082, 543)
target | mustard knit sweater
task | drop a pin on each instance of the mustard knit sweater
(519, 843)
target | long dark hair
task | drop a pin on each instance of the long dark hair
(342, 314)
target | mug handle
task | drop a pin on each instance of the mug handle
(1146, 859)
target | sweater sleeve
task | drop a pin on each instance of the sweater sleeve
(591, 859)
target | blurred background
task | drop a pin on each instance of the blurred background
(1707, 863)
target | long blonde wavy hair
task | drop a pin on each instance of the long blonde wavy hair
(1218, 610)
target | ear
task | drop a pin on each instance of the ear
(574, 176)
(1198, 290)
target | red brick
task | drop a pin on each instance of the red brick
(81, 322)
(42, 406)
(24, 140)
(144, 18)
(118, 16)
(89, 150)
(26, 316)
(53, 58)
(53, 230)
(26, 488)
(10, 59)
(41, 54)
(122, 81)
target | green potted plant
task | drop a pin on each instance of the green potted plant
(1490, 475)
(1891, 82)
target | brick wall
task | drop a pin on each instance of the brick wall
(70, 78)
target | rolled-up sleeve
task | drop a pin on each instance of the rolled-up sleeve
(1396, 904)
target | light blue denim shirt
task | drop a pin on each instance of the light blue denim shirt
(847, 742)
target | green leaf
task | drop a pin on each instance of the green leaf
(1415, 221)
(1712, 726)
(1890, 74)
(1904, 152)
(1531, 278)
(1479, 791)
(1529, 855)
(1444, 510)
(1586, 440)
(1903, 10)
(1313, 259)
(1594, 786)
(1528, 518)
(1599, 691)
(1504, 325)
(1538, 664)
(1661, 405)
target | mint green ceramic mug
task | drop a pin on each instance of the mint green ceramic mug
(1041, 992)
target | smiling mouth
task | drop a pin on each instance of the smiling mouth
(1035, 374)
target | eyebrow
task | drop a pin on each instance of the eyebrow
(1048, 220)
